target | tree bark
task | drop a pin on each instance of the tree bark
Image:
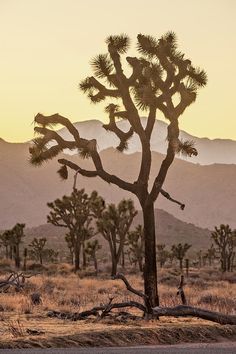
(113, 267)
(77, 256)
(84, 257)
(17, 257)
(95, 263)
(150, 267)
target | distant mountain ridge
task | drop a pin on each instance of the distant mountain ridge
(208, 191)
(210, 151)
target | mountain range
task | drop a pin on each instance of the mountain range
(169, 230)
(208, 191)
(209, 150)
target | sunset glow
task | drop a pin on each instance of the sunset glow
(46, 47)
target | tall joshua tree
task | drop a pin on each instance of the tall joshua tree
(161, 79)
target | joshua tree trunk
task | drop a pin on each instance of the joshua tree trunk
(113, 267)
(17, 256)
(11, 252)
(150, 267)
(181, 263)
(113, 260)
(123, 258)
(95, 264)
(84, 257)
(140, 264)
(7, 252)
(77, 255)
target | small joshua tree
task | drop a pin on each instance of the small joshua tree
(162, 254)
(161, 79)
(135, 241)
(37, 248)
(210, 254)
(5, 241)
(179, 251)
(13, 239)
(114, 224)
(225, 242)
(91, 249)
(76, 213)
(50, 255)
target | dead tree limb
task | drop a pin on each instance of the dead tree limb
(167, 196)
(134, 291)
(185, 311)
(16, 280)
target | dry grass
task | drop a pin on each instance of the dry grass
(63, 290)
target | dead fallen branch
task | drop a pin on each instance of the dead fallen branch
(183, 311)
(135, 291)
(16, 280)
(156, 312)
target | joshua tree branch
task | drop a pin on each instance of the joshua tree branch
(57, 119)
(173, 134)
(167, 196)
(49, 135)
(99, 172)
(102, 89)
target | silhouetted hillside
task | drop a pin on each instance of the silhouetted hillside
(208, 191)
(169, 230)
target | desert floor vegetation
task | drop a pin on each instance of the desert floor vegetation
(60, 289)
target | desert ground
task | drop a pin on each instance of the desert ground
(24, 324)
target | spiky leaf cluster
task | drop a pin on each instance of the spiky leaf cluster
(187, 148)
(102, 66)
(119, 43)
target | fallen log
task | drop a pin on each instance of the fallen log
(16, 280)
(183, 311)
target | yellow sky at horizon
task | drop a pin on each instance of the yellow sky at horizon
(46, 47)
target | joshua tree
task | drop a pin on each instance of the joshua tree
(50, 255)
(114, 224)
(225, 241)
(76, 213)
(135, 242)
(5, 241)
(179, 251)
(162, 254)
(12, 238)
(38, 248)
(91, 250)
(210, 254)
(161, 79)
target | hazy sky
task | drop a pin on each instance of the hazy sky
(46, 46)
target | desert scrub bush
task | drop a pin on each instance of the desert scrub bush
(17, 303)
(14, 327)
